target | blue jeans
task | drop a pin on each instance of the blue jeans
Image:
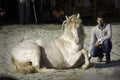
(97, 51)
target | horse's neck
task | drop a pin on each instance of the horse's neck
(68, 46)
(65, 37)
(68, 41)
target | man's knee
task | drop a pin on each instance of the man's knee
(107, 46)
(93, 51)
(107, 43)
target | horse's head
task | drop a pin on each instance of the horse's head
(74, 28)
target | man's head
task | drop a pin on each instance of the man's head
(100, 19)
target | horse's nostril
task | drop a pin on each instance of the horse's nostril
(77, 41)
(29, 63)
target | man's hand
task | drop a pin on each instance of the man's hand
(97, 43)
(100, 41)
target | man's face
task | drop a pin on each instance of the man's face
(100, 21)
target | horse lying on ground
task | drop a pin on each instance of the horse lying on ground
(63, 53)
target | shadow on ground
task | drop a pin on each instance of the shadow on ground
(6, 77)
(114, 63)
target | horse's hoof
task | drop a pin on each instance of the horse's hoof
(85, 66)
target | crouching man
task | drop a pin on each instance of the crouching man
(101, 40)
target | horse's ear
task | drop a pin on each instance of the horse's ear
(66, 17)
(78, 15)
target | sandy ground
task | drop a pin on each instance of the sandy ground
(10, 35)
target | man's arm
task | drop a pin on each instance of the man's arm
(109, 33)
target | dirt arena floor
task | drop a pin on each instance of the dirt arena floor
(10, 35)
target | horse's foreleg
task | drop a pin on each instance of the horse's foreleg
(87, 63)
(72, 59)
(36, 62)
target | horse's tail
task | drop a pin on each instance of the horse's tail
(23, 67)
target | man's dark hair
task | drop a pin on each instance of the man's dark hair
(101, 15)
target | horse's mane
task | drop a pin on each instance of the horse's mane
(75, 20)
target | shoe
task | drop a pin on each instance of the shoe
(99, 59)
(107, 62)
(89, 58)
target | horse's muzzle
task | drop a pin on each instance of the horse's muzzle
(77, 41)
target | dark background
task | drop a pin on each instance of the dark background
(11, 9)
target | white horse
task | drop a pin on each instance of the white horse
(64, 52)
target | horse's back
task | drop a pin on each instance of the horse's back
(25, 50)
(25, 57)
